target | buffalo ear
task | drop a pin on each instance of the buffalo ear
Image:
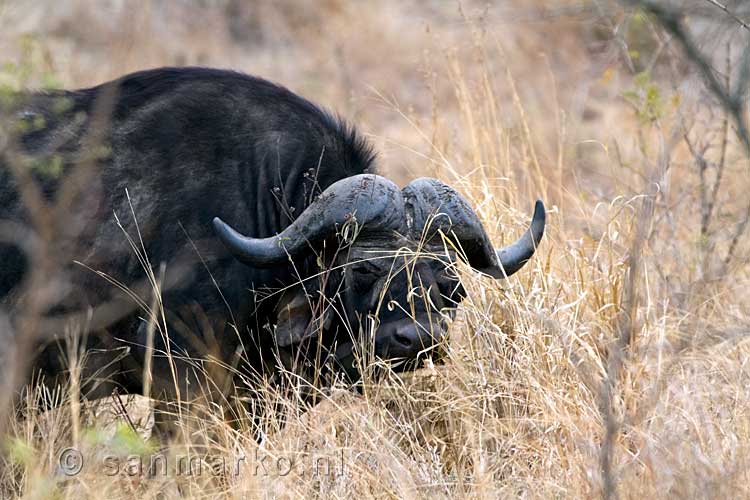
(295, 320)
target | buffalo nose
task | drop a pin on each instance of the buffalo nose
(406, 340)
(405, 337)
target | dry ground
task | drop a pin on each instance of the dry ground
(626, 337)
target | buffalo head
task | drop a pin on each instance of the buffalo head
(392, 276)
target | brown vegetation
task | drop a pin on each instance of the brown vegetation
(614, 363)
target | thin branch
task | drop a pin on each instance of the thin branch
(724, 139)
(671, 21)
(738, 233)
(700, 160)
(730, 14)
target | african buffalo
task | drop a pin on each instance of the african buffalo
(277, 241)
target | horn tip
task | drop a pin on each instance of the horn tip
(218, 223)
(540, 212)
(223, 230)
(539, 206)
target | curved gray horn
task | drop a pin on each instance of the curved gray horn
(431, 205)
(373, 200)
(513, 257)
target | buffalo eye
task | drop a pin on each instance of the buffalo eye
(451, 288)
(364, 276)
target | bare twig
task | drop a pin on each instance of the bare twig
(732, 99)
(729, 13)
(724, 138)
(738, 233)
(671, 20)
(616, 358)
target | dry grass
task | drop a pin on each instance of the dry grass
(616, 360)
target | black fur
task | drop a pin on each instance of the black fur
(186, 145)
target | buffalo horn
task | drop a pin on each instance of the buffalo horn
(371, 200)
(432, 205)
